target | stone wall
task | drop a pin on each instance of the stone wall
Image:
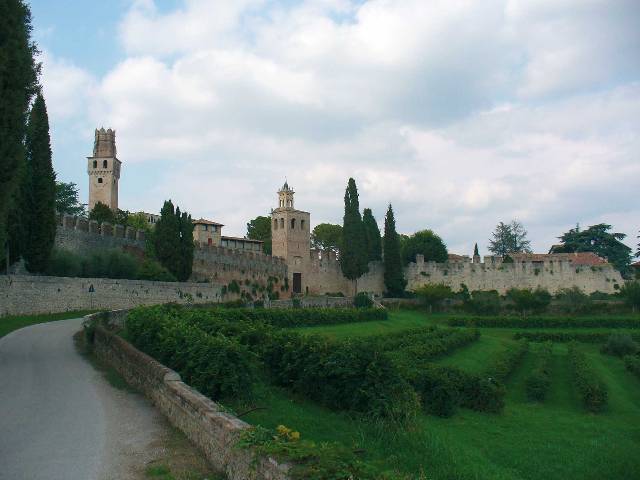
(325, 276)
(204, 422)
(26, 295)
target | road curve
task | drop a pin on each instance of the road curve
(59, 418)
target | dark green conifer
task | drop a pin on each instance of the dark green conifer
(372, 233)
(186, 246)
(476, 252)
(353, 256)
(167, 238)
(394, 280)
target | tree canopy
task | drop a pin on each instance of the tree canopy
(353, 255)
(67, 199)
(427, 243)
(260, 229)
(327, 237)
(476, 252)
(599, 240)
(509, 238)
(394, 280)
(173, 241)
(102, 213)
(372, 235)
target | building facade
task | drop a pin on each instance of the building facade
(103, 169)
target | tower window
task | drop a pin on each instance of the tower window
(282, 223)
(275, 224)
(301, 224)
(95, 164)
(293, 224)
(104, 164)
(99, 180)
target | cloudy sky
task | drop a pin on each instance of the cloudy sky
(460, 113)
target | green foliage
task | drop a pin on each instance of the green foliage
(68, 200)
(509, 238)
(173, 241)
(394, 280)
(632, 363)
(102, 213)
(591, 387)
(362, 300)
(260, 229)
(620, 344)
(484, 302)
(426, 243)
(326, 236)
(38, 214)
(539, 381)
(505, 362)
(110, 264)
(599, 240)
(547, 322)
(563, 337)
(372, 234)
(630, 291)
(152, 270)
(573, 300)
(476, 252)
(18, 84)
(353, 254)
(139, 222)
(434, 294)
(64, 263)
(525, 300)
(216, 365)
(185, 263)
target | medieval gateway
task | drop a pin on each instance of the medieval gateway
(222, 259)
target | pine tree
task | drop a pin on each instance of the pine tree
(167, 239)
(372, 234)
(353, 257)
(638, 251)
(476, 252)
(18, 84)
(40, 192)
(186, 246)
(394, 280)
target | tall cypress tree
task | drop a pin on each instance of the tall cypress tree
(353, 256)
(394, 280)
(40, 191)
(186, 246)
(18, 84)
(167, 239)
(372, 233)
(476, 252)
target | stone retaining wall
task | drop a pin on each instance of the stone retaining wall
(204, 422)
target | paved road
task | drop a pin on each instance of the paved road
(59, 418)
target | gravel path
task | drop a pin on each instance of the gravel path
(61, 420)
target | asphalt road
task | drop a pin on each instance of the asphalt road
(60, 419)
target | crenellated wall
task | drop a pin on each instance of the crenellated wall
(83, 236)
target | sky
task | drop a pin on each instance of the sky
(459, 113)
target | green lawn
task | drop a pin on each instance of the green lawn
(11, 323)
(554, 440)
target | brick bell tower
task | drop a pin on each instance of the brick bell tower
(104, 170)
(290, 239)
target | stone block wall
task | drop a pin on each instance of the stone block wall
(27, 295)
(204, 422)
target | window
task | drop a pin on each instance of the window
(105, 164)
(99, 180)
(275, 224)
(301, 224)
(204, 228)
(282, 223)
(214, 228)
(293, 224)
(95, 164)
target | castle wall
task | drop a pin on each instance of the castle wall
(325, 276)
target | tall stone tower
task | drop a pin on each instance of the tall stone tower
(290, 239)
(104, 170)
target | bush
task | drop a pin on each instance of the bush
(525, 300)
(620, 344)
(632, 363)
(152, 270)
(506, 361)
(630, 291)
(433, 295)
(64, 263)
(547, 322)
(562, 337)
(538, 383)
(362, 300)
(591, 387)
(110, 264)
(484, 302)
(573, 300)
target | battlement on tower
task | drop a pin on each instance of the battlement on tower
(104, 145)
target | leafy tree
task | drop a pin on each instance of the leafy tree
(18, 84)
(102, 213)
(39, 201)
(630, 291)
(434, 294)
(260, 229)
(599, 240)
(67, 199)
(167, 239)
(353, 256)
(327, 236)
(426, 243)
(509, 238)
(138, 221)
(484, 302)
(186, 246)
(573, 300)
(372, 234)
(122, 217)
(526, 300)
(394, 280)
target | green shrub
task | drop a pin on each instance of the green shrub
(152, 270)
(632, 363)
(433, 295)
(110, 264)
(484, 302)
(562, 337)
(64, 263)
(546, 322)
(506, 361)
(591, 387)
(362, 300)
(526, 300)
(620, 344)
(630, 291)
(539, 381)
(573, 300)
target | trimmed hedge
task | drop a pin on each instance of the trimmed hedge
(538, 383)
(216, 365)
(632, 363)
(506, 361)
(563, 337)
(591, 387)
(302, 317)
(546, 322)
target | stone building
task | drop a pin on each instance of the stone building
(104, 170)
(206, 232)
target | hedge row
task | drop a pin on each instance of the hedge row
(342, 375)
(632, 363)
(562, 337)
(216, 365)
(591, 387)
(539, 381)
(506, 361)
(546, 322)
(303, 317)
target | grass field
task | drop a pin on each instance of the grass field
(554, 440)
(11, 323)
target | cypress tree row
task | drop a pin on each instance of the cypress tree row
(167, 238)
(39, 214)
(18, 84)
(353, 256)
(372, 234)
(186, 247)
(394, 280)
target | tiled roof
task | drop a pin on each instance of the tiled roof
(202, 221)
